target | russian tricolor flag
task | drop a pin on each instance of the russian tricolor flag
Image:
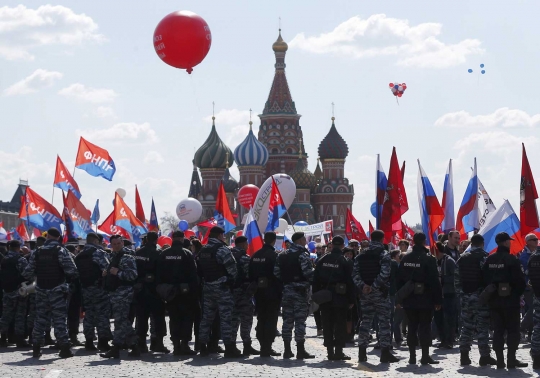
(431, 212)
(252, 233)
(381, 182)
(504, 219)
(449, 222)
(467, 218)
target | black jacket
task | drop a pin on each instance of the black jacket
(262, 264)
(331, 269)
(176, 266)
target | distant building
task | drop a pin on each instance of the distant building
(9, 211)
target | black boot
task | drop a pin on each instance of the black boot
(20, 342)
(249, 350)
(114, 352)
(536, 362)
(143, 348)
(500, 359)
(203, 352)
(89, 345)
(265, 349)
(186, 350)
(74, 340)
(231, 351)
(513, 362)
(330, 353)
(340, 356)
(387, 357)
(152, 343)
(36, 351)
(426, 358)
(288, 351)
(135, 350)
(465, 359)
(301, 351)
(197, 346)
(103, 345)
(487, 360)
(412, 355)
(362, 356)
(65, 351)
(214, 347)
(158, 346)
(176, 348)
(4, 340)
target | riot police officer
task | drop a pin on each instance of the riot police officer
(533, 266)
(13, 305)
(295, 270)
(176, 270)
(419, 292)
(334, 273)
(146, 300)
(504, 277)
(218, 269)
(243, 297)
(371, 275)
(268, 294)
(50, 265)
(91, 263)
(474, 315)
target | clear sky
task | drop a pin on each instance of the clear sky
(89, 68)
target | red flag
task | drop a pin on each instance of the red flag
(407, 232)
(37, 233)
(528, 211)
(37, 212)
(395, 199)
(371, 229)
(139, 211)
(64, 180)
(110, 228)
(223, 213)
(23, 232)
(353, 228)
(403, 171)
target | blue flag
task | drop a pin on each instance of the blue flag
(95, 213)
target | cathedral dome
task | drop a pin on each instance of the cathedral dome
(213, 153)
(280, 45)
(333, 146)
(229, 183)
(302, 177)
(251, 151)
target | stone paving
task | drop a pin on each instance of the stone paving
(18, 363)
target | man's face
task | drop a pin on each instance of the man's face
(453, 239)
(355, 246)
(507, 243)
(365, 244)
(532, 244)
(397, 258)
(319, 250)
(117, 244)
(403, 247)
(243, 246)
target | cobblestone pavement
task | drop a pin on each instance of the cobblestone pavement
(18, 363)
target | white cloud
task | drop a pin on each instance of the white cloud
(22, 164)
(105, 112)
(23, 29)
(494, 142)
(94, 95)
(153, 157)
(39, 79)
(380, 35)
(122, 132)
(503, 117)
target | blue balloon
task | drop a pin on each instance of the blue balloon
(483, 71)
(311, 246)
(301, 223)
(396, 86)
(482, 65)
(469, 70)
(374, 209)
(183, 225)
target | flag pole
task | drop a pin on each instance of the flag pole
(52, 199)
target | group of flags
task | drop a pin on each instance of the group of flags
(37, 212)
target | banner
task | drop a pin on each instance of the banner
(317, 229)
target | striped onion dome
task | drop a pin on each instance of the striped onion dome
(251, 151)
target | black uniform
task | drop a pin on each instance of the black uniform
(268, 295)
(503, 269)
(334, 272)
(146, 299)
(176, 266)
(420, 267)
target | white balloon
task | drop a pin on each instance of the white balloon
(189, 210)
(121, 192)
(286, 187)
(282, 226)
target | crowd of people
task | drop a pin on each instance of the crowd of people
(456, 292)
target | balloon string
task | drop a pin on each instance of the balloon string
(193, 87)
(397, 100)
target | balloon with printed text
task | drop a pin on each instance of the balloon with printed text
(182, 39)
(189, 210)
(247, 194)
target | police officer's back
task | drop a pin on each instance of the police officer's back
(533, 267)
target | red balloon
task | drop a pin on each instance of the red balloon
(247, 195)
(391, 85)
(182, 39)
(400, 94)
(188, 234)
(239, 233)
(162, 240)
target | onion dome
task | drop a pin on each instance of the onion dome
(280, 45)
(333, 146)
(229, 183)
(195, 188)
(213, 153)
(251, 151)
(302, 177)
(318, 172)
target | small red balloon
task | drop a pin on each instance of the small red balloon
(182, 39)
(247, 194)
(239, 233)
(188, 234)
(162, 240)
(391, 85)
(400, 94)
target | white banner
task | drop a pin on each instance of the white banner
(488, 208)
(317, 229)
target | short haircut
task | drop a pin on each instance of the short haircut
(187, 243)
(404, 241)
(14, 244)
(114, 237)
(477, 240)
(178, 234)
(152, 236)
(394, 253)
(240, 240)
(53, 232)
(297, 236)
(440, 247)
(377, 236)
(419, 238)
(41, 239)
(442, 238)
(453, 233)
(270, 237)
